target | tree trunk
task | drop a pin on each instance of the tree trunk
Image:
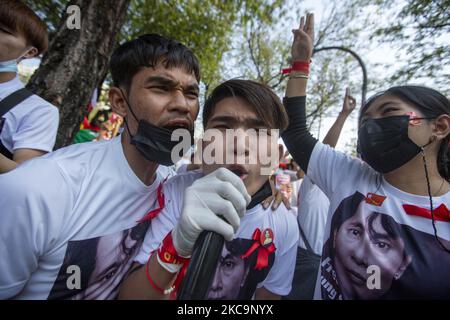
(77, 60)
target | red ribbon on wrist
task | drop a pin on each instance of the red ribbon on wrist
(150, 279)
(167, 252)
(299, 65)
(263, 242)
(161, 203)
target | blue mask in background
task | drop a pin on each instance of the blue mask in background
(9, 66)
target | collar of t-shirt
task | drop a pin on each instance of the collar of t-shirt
(418, 200)
(126, 170)
(6, 88)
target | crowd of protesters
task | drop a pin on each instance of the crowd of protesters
(111, 218)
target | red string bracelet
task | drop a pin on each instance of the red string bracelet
(153, 284)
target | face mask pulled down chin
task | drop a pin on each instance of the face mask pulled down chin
(384, 143)
(155, 143)
(9, 66)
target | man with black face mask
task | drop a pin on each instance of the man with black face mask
(76, 196)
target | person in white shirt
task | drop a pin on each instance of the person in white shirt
(312, 217)
(258, 257)
(388, 229)
(28, 123)
(72, 221)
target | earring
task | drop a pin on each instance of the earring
(396, 276)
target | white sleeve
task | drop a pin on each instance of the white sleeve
(330, 169)
(37, 130)
(33, 205)
(162, 224)
(279, 279)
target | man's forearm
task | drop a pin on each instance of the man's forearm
(264, 294)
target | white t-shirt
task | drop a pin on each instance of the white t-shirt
(167, 172)
(379, 241)
(277, 278)
(312, 214)
(68, 223)
(32, 124)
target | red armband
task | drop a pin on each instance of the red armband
(299, 65)
(169, 259)
(167, 252)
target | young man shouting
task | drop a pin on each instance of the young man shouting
(258, 257)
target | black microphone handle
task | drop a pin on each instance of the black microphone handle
(206, 255)
(202, 266)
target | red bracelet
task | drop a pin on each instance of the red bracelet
(167, 252)
(298, 65)
(153, 284)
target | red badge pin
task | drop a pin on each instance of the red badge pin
(266, 238)
(263, 243)
(375, 199)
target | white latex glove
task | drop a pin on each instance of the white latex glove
(219, 193)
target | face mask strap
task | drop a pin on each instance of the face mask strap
(129, 105)
(413, 117)
(431, 198)
(12, 65)
(132, 112)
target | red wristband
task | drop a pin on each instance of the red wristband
(298, 65)
(167, 252)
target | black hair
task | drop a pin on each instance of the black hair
(432, 104)
(137, 234)
(83, 253)
(149, 50)
(348, 208)
(18, 17)
(260, 96)
(96, 120)
(238, 247)
(420, 246)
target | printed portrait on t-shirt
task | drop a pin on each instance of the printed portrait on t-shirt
(236, 277)
(408, 263)
(102, 262)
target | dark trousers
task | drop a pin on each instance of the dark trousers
(305, 275)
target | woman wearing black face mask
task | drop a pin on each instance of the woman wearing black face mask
(403, 137)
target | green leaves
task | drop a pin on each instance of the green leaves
(421, 29)
(206, 26)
